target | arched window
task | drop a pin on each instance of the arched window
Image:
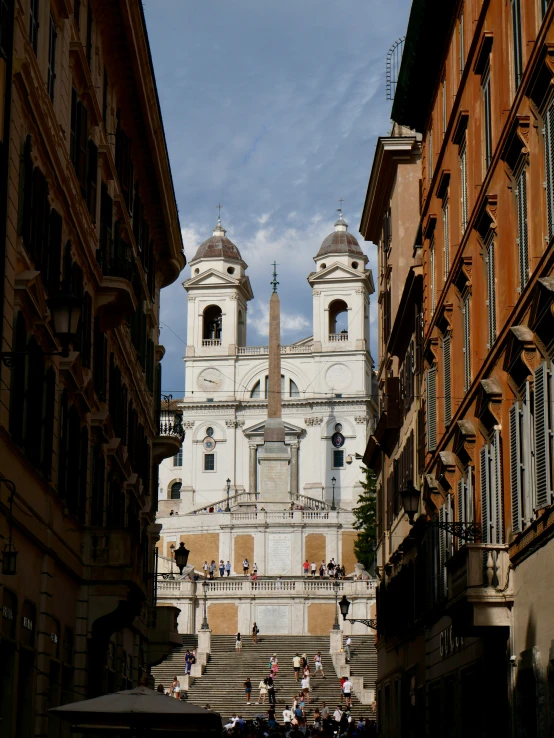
(294, 391)
(175, 492)
(212, 323)
(256, 389)
(338, 321)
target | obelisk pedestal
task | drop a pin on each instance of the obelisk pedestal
(274, 455)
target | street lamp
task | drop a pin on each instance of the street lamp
(172, 549)
(336, 586)
(205, 625)
(333, 482)
(65, 310)
(181, 557)
(228, 509)
(9, 555)
(345, 606)
(470, 531)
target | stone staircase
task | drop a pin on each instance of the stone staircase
(221, 684)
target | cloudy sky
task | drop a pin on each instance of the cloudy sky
(272, 109)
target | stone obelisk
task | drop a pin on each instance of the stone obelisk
(274, 455)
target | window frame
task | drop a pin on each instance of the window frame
(34, 24)
(466, 346)
(517, 41)
(205, 461)
(52, 42)
(446, 234)
(491, 302)
(487, 115)
(341, 452)
(522, 239)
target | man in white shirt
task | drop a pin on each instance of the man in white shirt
(287, 716)
(347, 689)
(337, 714)
(306, 688)
(319, 664)
(231, 724)
(206, 568)
(347, 648)
(313, 568)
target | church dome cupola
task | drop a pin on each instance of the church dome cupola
(218, 246)
(340, 241)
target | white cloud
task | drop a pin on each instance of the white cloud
(258, 319)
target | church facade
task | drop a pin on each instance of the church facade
(211, 494)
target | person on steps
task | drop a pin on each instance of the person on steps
(247, 684)
(271, 689)
(263, 692)
(255, 631)
(238, 643)
(296, 662)
(319, 664)
(228, 568)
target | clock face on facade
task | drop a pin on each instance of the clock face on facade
(338, 376)
(210, 379)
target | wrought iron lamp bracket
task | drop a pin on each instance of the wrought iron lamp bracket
(466, 531)
(371, 622)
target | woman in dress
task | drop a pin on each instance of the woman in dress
(263, 692)
(274, 661)
(238, 643)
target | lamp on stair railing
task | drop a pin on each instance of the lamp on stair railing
(228, 508)
(336, 586)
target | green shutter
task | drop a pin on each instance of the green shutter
(542, 428)
(516, 466)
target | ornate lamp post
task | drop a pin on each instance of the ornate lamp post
(228, 508)
(65, 310)
(9, 555)
(336, 586)
(205, 625)
(345, 606)
(181, 557)
(469, 531)
(333, 482)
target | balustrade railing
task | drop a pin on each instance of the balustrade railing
(171, 428)
(475, 566)
(209, 342)
(260, 350)
(298, 586)
(333, 337)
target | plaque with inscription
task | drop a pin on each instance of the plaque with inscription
(272, 619)
(279, 554)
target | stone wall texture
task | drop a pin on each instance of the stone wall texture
(202, 547)
(243, 547)
(320, 618)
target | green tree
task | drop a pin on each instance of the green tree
(365, 523)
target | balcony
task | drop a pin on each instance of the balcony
(480, 594)
(336, 337)
(211, 342)
(163, 635)
(169, 442)
(115, 298)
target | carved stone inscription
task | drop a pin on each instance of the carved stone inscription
(279, 554)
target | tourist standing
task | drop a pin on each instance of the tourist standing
(238, 643)
(212, 569)
(247, 684)
(347, 690)
(296, 662)
(263, 692)
(322, 570)
(306, 686)
(331, 567)
(245, 567)
(255, 631)
(175, 688)
(271, 689)
(337, 715)
(306, 567)
(221, 568)
(274, 661)
(287, 716)
(206, 569)
(255, 570)
(324, 710)
(347, 645)
(319, 664)
(188, 662)
(313, 567)
(228, 568)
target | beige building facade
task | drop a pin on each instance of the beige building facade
(91, 224)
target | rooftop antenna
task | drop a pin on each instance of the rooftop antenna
(394, 60)
(218, 207)
(339, 209)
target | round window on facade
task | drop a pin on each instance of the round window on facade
(209, 431)
(230, 270)
(338, 427)
(197, 271)
(323, 266)
(354, 265)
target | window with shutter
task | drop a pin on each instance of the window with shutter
(446, 236)
(89, 37)
(497, 502)
(430, 154)
(469, 508)
(467, 341)
(484, 475)
(516, 467)
(463, 183)
(528, 452)
(447, 378)
(432, 408)
(52, 40)
(522, 230)
(34, 24)
(461, 44)
(487, 114)
(444, 105)
(491, 289)
(517, 42)
(542, 433)
(549, 162)
(460, 500)
(92, 178)
(432, 277)
(442, 554)
(52, 271)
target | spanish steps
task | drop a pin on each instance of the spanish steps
(221, 685)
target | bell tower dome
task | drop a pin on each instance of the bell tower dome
(218, 292)
(341, 287)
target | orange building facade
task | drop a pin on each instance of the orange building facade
(476, 81)
(91, 223)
